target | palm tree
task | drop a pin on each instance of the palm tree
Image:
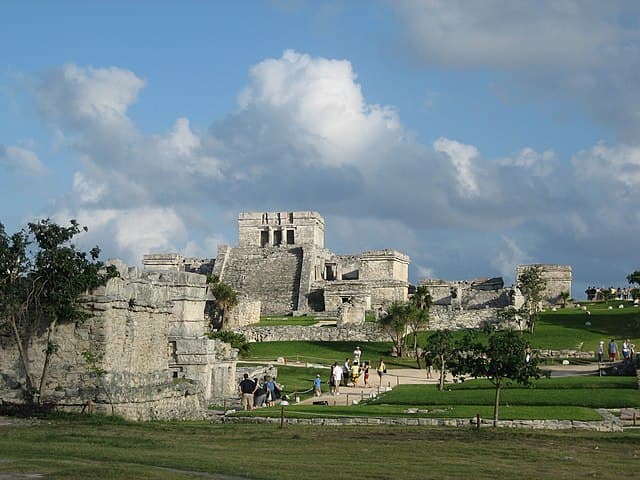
(226, 297)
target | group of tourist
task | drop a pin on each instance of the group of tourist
(611, 293)
(628, 351)
(258, 392)
(349, 374)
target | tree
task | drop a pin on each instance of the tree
(418, 315)
(502, 358)
(226, 297)
(395, 322)
(531, 284)
(441, 350)
(634, 277)
(42, 279)
(565, 298)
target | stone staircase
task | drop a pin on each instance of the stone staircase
(270, 274)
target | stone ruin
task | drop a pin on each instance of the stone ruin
(469, 303)
(147, 332)
(281, 261)
(281, 265)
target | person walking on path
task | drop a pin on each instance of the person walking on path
(336, 374)
(317, 388)
(381, 369)
(356, 354)
(601, 352)
(613, 350)
(247, 388)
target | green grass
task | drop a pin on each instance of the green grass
(418, 395)
(83, 449)
(325, 353)
(286, 321)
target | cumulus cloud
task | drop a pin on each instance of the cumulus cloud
(75, 95)
(13, 158)
(322, 99)
(461, 157)
(305, 138)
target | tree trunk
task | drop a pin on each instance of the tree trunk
(23, 358)
(496, 405)
(442, 372)
(47, 358)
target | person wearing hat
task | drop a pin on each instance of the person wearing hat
(317, 389)
(601, 352)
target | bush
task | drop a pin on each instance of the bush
(237, 340)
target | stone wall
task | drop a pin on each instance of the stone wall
(247, 312)
(452, 319)
(367, 332)
(469, 294)
(270, 275)
(146, 331)
(609, 423)
(558, 278)
(262, 229)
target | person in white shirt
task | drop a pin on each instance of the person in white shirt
(336, 373)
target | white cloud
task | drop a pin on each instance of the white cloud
(322, 99)
(539, 164)
(76, 95)
(619, 164)
(583, 52)
(506, 34)
(509, 257)
(21, 160)
(88, 190)
(461, 157)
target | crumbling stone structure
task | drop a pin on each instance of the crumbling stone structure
(558, 278)
(281, 261)
(147, 335)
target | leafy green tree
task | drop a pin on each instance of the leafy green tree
(395, 324)
(226, 298)
(501, 357)
(634, 277)
(531, 284)
(441, 350)
(42, 279)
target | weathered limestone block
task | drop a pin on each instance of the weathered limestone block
(247, 312)
(351, 313)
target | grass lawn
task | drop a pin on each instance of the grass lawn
(84, 448)
(325, 353)
(286, 320)
(567, 398)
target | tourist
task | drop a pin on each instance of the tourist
(317, 389)
(356, 354)
(613, 350)
(346, 371)
(260, 394)
(626, 350)
(601, 352)
(381, 369)
(270, 386)
(336, 374)
(247, 388)
(366, 373)
(355, 373)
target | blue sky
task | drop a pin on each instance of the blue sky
(473, 136)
